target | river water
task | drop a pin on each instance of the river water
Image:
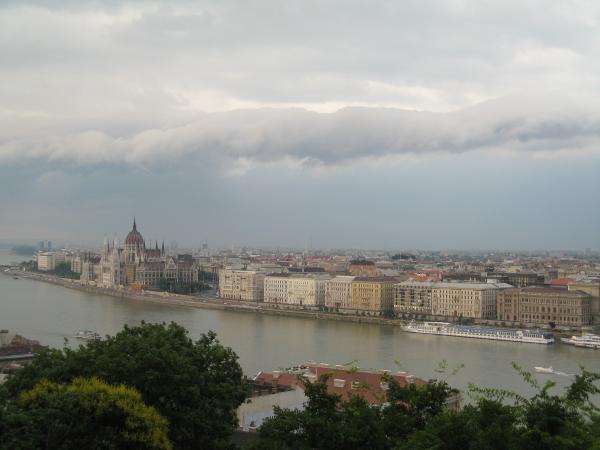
(50, 313)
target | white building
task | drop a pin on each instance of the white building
(247, 285)
(295, 289)
(338, 292)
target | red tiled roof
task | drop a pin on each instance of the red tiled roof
(345, 383)
(560, 281)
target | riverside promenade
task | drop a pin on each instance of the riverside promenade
(197, 301)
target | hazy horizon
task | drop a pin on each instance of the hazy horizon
(432, 125)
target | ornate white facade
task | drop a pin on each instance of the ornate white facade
(134, 264)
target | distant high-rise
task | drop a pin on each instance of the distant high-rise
(41, 245)
(49, 246)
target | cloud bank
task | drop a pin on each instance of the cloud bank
(527, 124)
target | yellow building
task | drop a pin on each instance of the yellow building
(373, 294)
(46, 261)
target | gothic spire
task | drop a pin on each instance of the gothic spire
(134, 225)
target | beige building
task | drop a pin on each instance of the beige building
(545, 305)
(295, 289)
(475, 300)
(591, 286)
(413, 297)
(46, 261)
(373, 294)
(338, 292)
(76, 262)
(247, 285)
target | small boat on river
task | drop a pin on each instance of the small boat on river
(544, 369)
(87, 335)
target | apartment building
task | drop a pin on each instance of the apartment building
(46, 261)
(545, 305)
(338, 292)
(295, 289)
(413, 297)
(374, 295)
(475, 300)
(591, 286)
(76, 262)
(245, 285)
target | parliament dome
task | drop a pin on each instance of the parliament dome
(134, 237)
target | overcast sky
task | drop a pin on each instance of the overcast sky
(382, 124)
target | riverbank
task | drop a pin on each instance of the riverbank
(188, 301)
(196, 301)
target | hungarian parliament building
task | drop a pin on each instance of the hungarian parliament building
(134, 265)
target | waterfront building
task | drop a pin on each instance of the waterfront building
(246, 285)
(413, 297)
(46, 261)
(474, 300)
(135, 265)
(373, 295)
(591, 286)
(91, 270)
(76, 262)
(338, 292)
(295, 289)
(449, 299)
(544, 306)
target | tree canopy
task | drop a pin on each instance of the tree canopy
(416, 418)
(196, 386)
(87, 413)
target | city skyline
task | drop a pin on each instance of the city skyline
(433, 125)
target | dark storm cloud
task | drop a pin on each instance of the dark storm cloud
(110, 108)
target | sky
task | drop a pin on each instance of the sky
(446, 124)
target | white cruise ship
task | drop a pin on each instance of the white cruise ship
(476, 332)
(585, 340)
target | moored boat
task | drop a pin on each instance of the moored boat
(544, 369)
(585, 341)
(477, 332)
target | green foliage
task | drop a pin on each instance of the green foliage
(416, 418)
(196, 386)
(180, 287)
(327, 422)
(86, 413)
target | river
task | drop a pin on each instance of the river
(51, 313)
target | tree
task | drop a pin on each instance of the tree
(415, 418)
(197, 386)
(86, 413)
(329, 423)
